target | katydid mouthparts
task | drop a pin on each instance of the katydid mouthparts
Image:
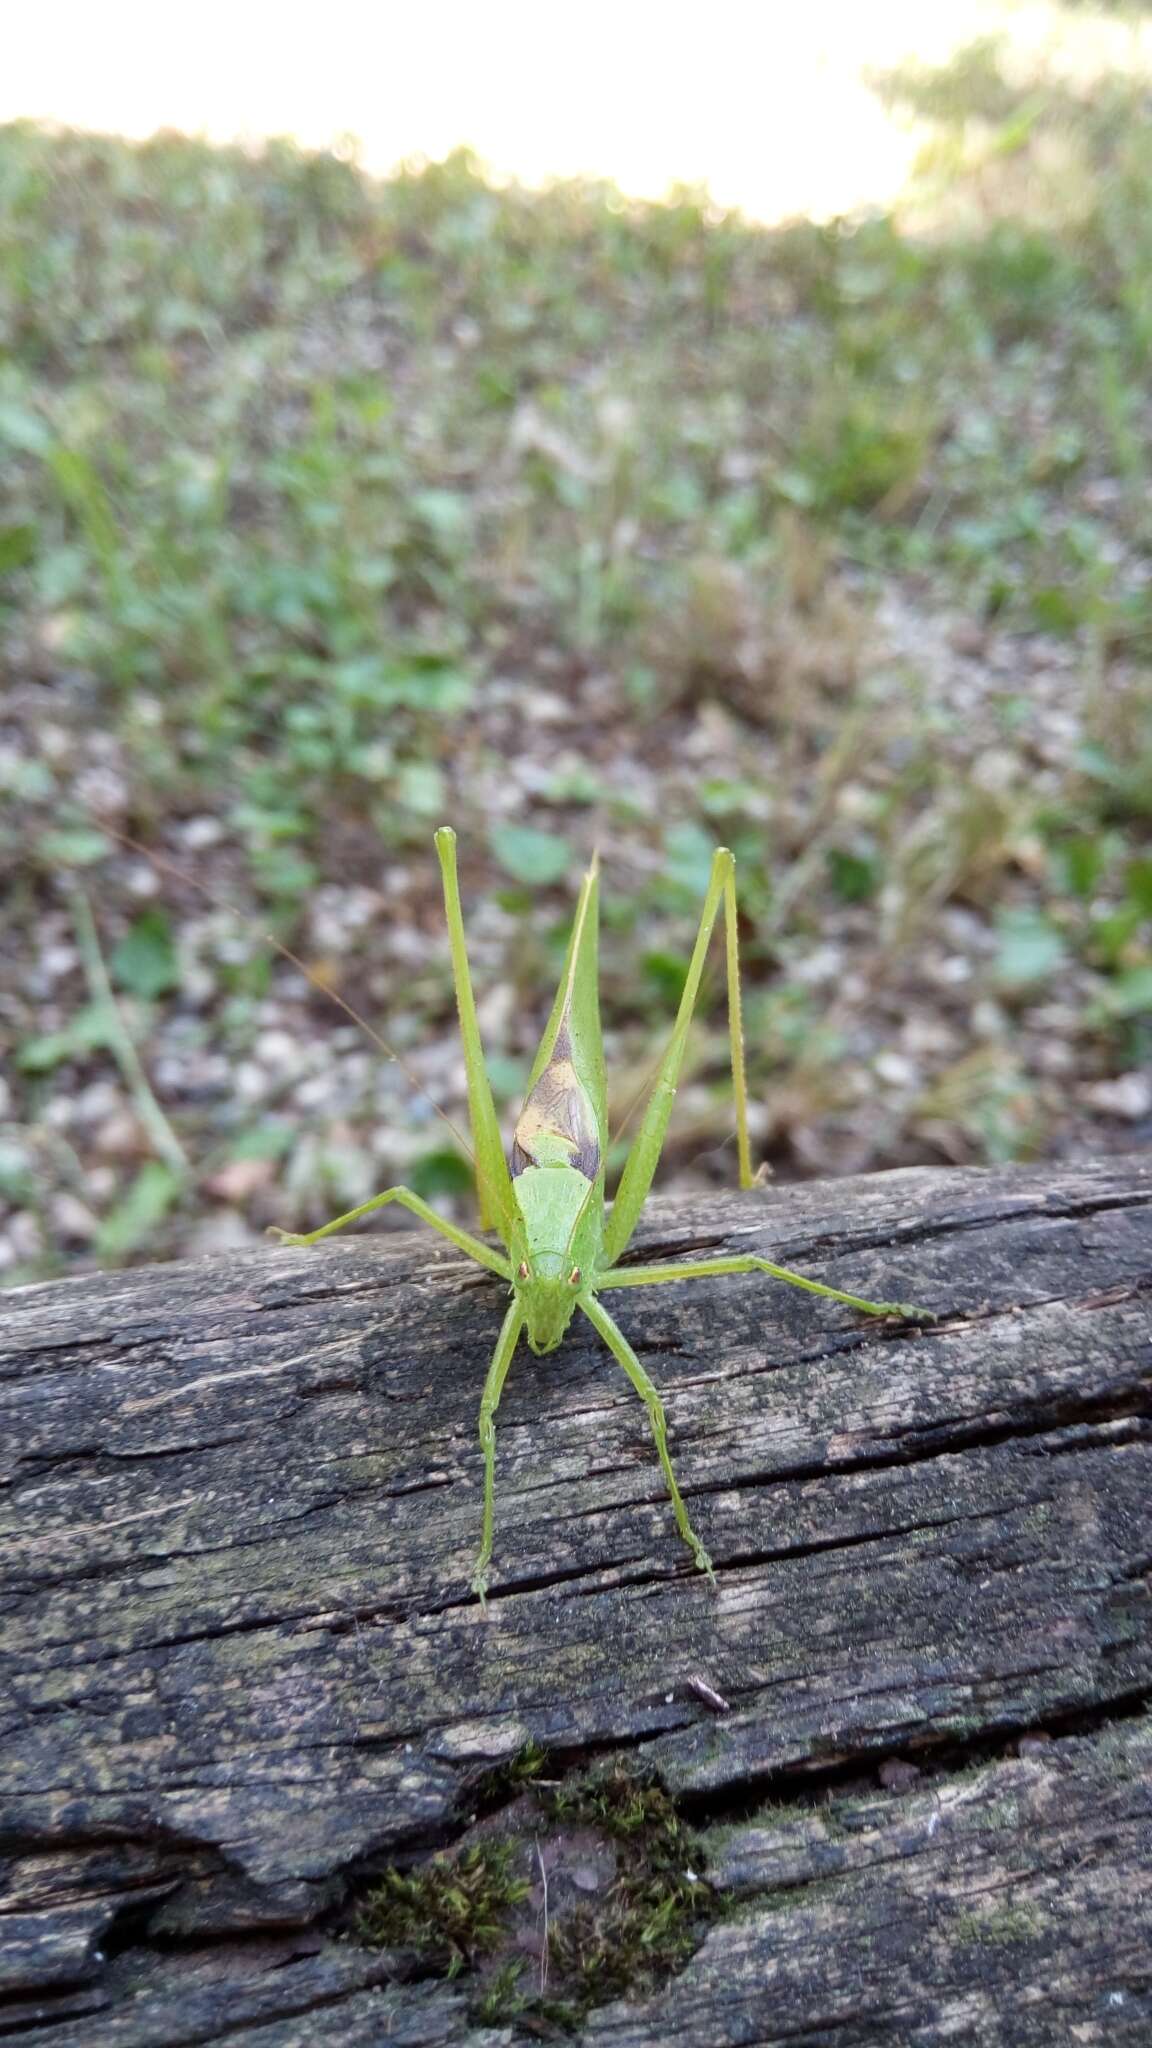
(562, 1244)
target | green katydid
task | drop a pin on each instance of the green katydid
(562, 1245)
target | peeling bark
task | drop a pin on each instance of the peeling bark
(239, 1501)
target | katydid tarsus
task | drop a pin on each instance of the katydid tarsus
(562, 1243)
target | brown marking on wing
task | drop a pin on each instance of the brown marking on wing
(557, 1117)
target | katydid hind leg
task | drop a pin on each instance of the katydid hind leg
(748, 1178)
(625, 1356)
(643, 1158)
(493, 1184)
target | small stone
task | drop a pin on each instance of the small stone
(103, 791)
(119, 1137)
(495, 1011)
(1033, 1745)
(226, 1231)
(198, 986)
(24, 1235)
(56, 961)
(72, 1220)
(278, 1050)
(1054, 1056)
(968, 638)
(251, 1082)
(988, 1020)
(96, 1103)
(57, 742)
(896, 1069)
(898, 1776)
(1129, 1096)
(822, 964)
(59, 1114)
(997, 769)
(200, 833)
(317, 1092)
(241, 1179)
(142, 880)
(929, 1036)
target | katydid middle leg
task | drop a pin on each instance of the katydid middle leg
(704, 1269)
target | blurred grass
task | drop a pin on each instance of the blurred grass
(332, 507)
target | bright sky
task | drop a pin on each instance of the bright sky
(765, 102)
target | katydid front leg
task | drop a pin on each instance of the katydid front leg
(489, 1402)
(482, 1253)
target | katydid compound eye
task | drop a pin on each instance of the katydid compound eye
(574, 1277)
(522, 1270)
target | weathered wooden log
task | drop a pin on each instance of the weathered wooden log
(244, 1677)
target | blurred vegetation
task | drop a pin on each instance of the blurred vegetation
(332, 508)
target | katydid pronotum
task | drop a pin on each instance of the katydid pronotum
(562, 1245)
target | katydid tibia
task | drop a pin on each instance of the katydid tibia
(562, 1245)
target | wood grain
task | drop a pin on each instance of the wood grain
(242, 1667)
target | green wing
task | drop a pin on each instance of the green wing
(565, 1116)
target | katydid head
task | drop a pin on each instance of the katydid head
(547, 1303)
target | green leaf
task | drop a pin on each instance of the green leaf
(688, 851)
(507, 1076)
(17, 546)
(73, 846)
(17, 1180)
(420, 787)
(1058, 610)
(1113, 933)
(435, 686)
(145, 960)
(854, 876)
(667, 973)
(441, 1172)
(84, 1033)
(22, 428)
(136, 1215)
(1130, 995)
(446, 513)
(1078, 863)
(269, 1140)
(423, 683)
(1030, 948)
(29, 781)
(281, 871)
(82, 488)
(530, 856)
(1138, 884)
